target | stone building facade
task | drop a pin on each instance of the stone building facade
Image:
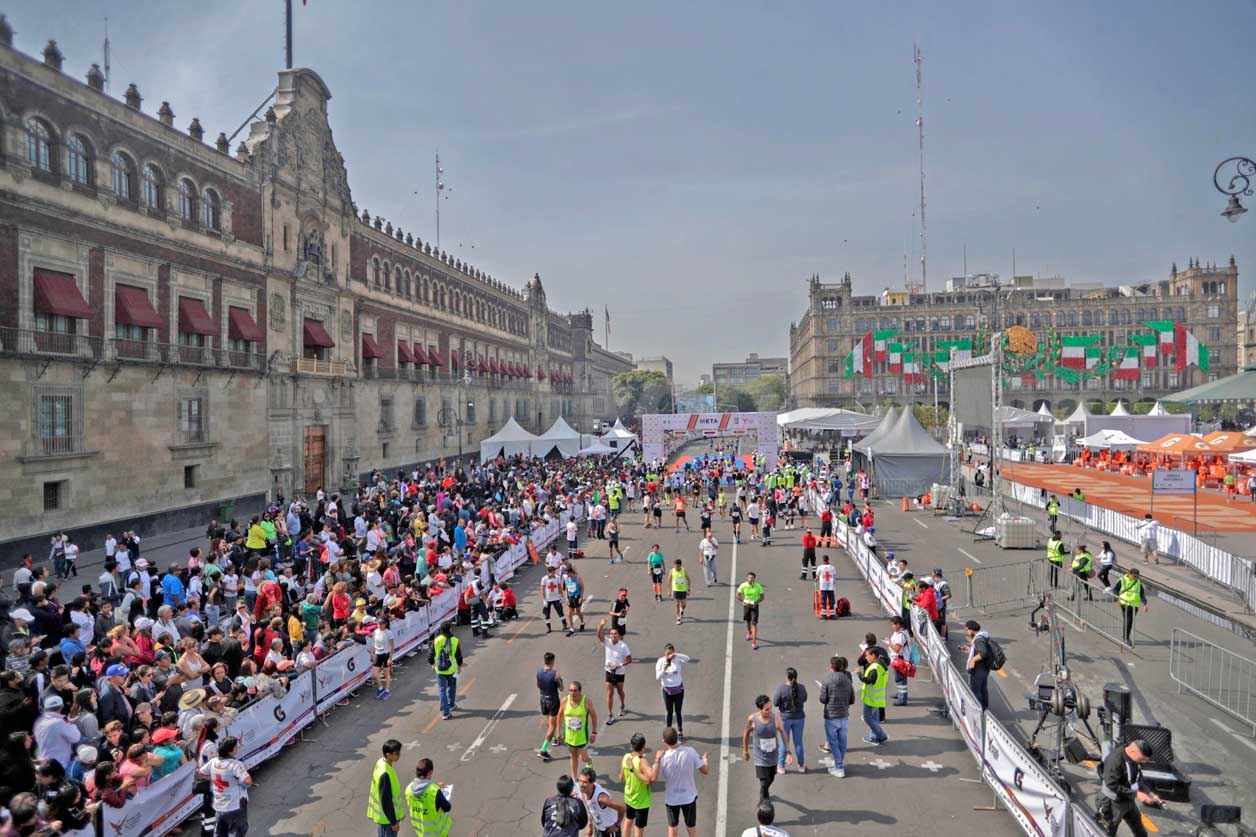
(740, 373)
(185, 324)
(1203, 299)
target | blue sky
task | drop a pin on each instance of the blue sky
(688, 165)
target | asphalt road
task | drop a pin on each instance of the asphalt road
(487, 752)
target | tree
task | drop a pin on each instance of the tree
(736, 398)
(768, 393)
(705, 389)
(931, 419)
(641, 391)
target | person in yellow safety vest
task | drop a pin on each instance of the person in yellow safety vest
(1055, 558)
(874, 677)
(1078, 495)
(1083, 566)
(1053, 511)
(910, 589)
(579, 720)
(384, 807)
(428, 802)
(446, 658)
(1130, 596)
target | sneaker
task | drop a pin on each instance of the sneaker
(544, 755)
(446, 717)
(384, 695)
(677, 620)
(453, 707)
(549, 629)
(610, 720)
(837, 772)
(680, 737)
(825, 748)
(571, 633)
(747, 637)
(622, 711)
(342, 702)
(870, 740)
(754, 646)
(802, 768)
(780, 768)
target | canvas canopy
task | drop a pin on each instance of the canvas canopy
(560, 437)
(511, 439)
(597, 449)
(1247, 457)
(887, 421)
(1078, 416)
(1229, 441)
(1043, 411)
(821, 418)
(1158, 409)
(1177, 444)
(906, 460)
(1119, 409)
(1240, 387)
(1110, 439)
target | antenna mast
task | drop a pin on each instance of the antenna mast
(440, 187)
(106, 55)
(920, 128)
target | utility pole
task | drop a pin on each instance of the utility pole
(288, 34)
(440, 187)
(920, 128)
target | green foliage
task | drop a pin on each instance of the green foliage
(705, 389)
(768, 393)
(931, 419)
(730, 396)
(641, 391)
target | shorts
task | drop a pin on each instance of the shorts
(680, 515)
(549, 706)
(1149, 546)
(656, 574)
(614, 542)
(689, 810)
(658, 512)
(754, 521)
(750, 614)
(615, 678)
(640, 817)
(573, 602)
(680, 595)
(383, 660)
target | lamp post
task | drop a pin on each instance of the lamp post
(453, 417)
(1234, 177)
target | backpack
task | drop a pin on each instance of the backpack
(443, 660)
(843, 607)
(996, 659)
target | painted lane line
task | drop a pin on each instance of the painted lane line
(463, 691)
(488, 728)
(919, 523)
(721, 805)
(1247, 742)
(970, 556)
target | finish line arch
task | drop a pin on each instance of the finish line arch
(654, 425)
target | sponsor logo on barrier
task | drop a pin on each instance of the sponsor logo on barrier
(279, 713)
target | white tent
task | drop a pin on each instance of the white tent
(1043, 411)
(1078, 416)
(1158, 410)
(508, 441)
(1247, 457)
(559, 437)
(1119, 409)
(1014, 418)
(848, 422)
(1114, 439)
(597, 449)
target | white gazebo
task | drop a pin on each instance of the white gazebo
(511, 439)
(1119, 409)
(559, 437)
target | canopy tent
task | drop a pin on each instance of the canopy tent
(1119, 409)
(1044, 412)
(1227, 441)
(1158, 409)
(906, 460)
(1015, 418)
(1078, 416)
(511, 439)
(1247, 457)
(597, 449)
(560, 437)
(887, 421)
(1140, 427)
(1110, 439)
(1238, 388)
(848, 422)
(1177, 444)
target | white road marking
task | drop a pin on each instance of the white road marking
(454, 746)
(1239, 737)
(499, 748)
(488, 728)
(932, 766)
(919, 523)
(881, 764)
(970, 555)
(721, 805)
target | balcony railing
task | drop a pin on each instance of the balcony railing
(313, 366)
(193, 436)
(58, 445)
(31, 342)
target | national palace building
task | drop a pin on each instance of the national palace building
(185, 323)
(1135, 341)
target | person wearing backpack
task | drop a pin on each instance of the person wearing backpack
(984, 656)
(445, 658)
(563, 814)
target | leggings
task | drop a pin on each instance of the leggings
(766, 776)
(1128, 612)
(673, 704)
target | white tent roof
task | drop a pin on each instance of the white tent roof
(509, 440)
(619, 425)
(560, 429)
(1158, 410)
(1246, 457)
(1015, 417)
(827, 418)
(1115, 439)
(1078, 416)
(1119, 409)
(1043, 411)
(560, 436)
(619, 432)
(596, 449)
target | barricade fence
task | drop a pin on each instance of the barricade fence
(265, 726)
(1219, 676)
(1035, 801)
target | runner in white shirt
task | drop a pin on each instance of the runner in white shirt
(765, 815)
(552, 596)
(229, 779)
(618, 657)
(709, 547)
(383, 645)
(752, 513)
(826, 582)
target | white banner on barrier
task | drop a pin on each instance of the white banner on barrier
(156, 809)
(340, 674)
(965, 711)
(1084, 826)
(1033, 799)
(265, 726)
(443, 607)
(411, 631)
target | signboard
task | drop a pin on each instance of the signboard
(1029, 794)
(695, 403)
(1172, 482)
(654, 425)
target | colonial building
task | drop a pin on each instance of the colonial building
(1093, 342)
(186, 324)
(595, 368)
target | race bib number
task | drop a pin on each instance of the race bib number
(767, 745)
(575, 724)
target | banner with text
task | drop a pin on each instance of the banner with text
(1024, 786)
(156, 809)
(411, 631)
(266, 725)
(340, 674)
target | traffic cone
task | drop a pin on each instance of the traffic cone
(904, 502)
(815, 603)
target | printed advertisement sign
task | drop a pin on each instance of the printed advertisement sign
(156, 809)
(267, 725)
(965, 711)
(1172, 482)
(1038, 805)
(340, 674)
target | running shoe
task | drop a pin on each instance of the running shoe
(622, 711)
(544, 755)
(780, 768)
(747, 637)
(610, 720)
(754, 646)
(384, 695)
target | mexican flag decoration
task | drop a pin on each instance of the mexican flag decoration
(1127, 366)
(880, 341)
(1165, 329)
(911, 369)
(859, 361)
(1187, 351)
(1147, 348)
(895, 352)
(1073, 354)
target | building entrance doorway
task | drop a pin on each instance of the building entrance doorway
(315, 457)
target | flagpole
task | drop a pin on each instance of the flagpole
(288, 33)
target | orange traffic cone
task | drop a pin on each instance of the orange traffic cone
(904, 502)
(815, 603)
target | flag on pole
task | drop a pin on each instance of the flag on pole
(1073, 351)
(880, 339)
(1164, 328)
(859, 361)
(1127, 367)
(1187, 350)
(1147, 348)
(608, 320)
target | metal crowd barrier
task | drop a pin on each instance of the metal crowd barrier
(1009, 584)
(1218, 675)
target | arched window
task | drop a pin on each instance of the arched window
(946, 323)
(211, 210)
(406, 290)
(39, 144)
(78, 160)
(150, 187)
(397, 279)
(187, 200)
(387, 277)
(1087, 319)
(123, 176)
(970, 321)
(1125, 316)
(375, 277)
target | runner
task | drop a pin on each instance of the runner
(618, 656)
(676, 765)
(637, 774)
(575, 599)
(750, 594)
(549, 683)
(655, 565)
(579, 720)
(669, 671)
(708, 549)
(656, 506)
(680, 512)
(721, 502)
(826, 581)
(678, 588)
(619, 612)
(752, 514)
(768, 734)
(573, 535)
(704, 518)
(384, 644)
(735, 515)
(606, 816)
(552, 597)
(612, 534)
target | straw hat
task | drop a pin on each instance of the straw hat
(192, 699)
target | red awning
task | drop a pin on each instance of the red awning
(540, 374)
(240, 326)
(434, 357)
(403, 351)
(494, 367)
(420, 356)
(194, 319)
(527, 371)
(370, 348)
(317, 336)
(513, 369)
(58, 294)
(453, 359)
(132, 308)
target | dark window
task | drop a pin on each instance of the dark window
(420, 412)
(187, 200)
(211, 210)
(150, 187)
(78, 160)
(52, 495)
(123, 176)
(39, 145)
(189, 476)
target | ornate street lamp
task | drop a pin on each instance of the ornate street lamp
(1235, 180)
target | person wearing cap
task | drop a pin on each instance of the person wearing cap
(18, 628)
(166, 745)
(1122, 788)
(942, 593)
(55, 737)
(978, 667)
(1130, 596)
(111, 704)
(84, 762)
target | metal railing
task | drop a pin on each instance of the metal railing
(313, 366)
(1010, 585)
(1219, 676)
(89, 349)
(58, 445)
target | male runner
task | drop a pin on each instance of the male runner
(750, 594)
(708, 549)
(678, 584)
(655, 563)
(549, 683)
(735, 515)
(680, 512)
(575, 599)
(552, 597)
(579, 720)
(618, 657)
(619, 612)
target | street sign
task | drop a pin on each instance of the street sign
(1172, 482)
